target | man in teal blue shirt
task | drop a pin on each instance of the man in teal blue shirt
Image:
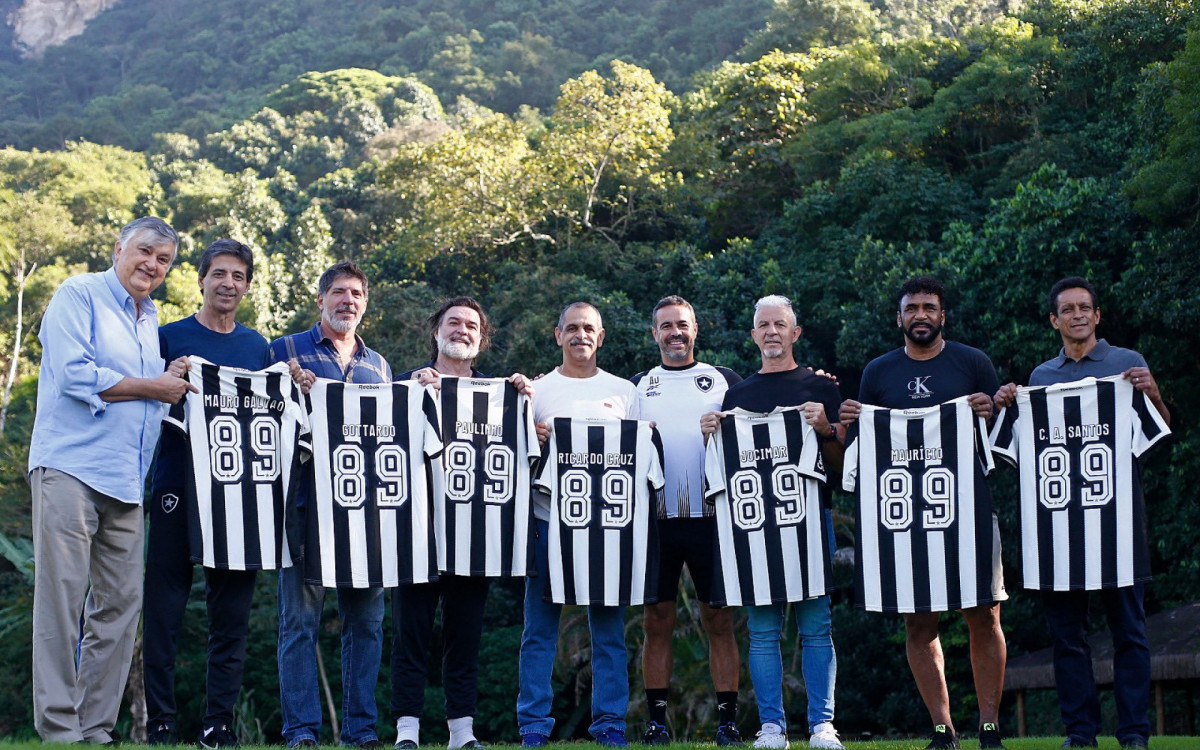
(102, 394)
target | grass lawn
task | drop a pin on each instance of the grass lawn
(1027, 743)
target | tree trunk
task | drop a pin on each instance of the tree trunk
(21, 277)
(135, 695)
(333, 714)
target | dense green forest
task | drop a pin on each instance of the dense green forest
(534, 153)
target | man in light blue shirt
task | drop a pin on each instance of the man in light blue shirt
(102, 394)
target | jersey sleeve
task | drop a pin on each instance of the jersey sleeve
(299, 410)
(548, 464)
(714, 462)
(533, 450)
(731, 377)
(430, 423)
(176, 417)
(983, 446)
(1149, 427)
(812, 463)
(1003, 437)
(634, 410)
(850, 460)
(656, 478)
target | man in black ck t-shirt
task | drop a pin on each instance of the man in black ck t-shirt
(927, 371)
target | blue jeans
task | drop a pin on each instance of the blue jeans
(361, 611)
(1066, 614)
(818, 661)
(539, 641)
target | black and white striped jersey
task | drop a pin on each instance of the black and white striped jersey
(482, 513)
(764, 474)
(924, 530)
(368, 522)
(247, 432)
(603, 477)
(1082, 514)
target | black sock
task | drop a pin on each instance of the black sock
(726, 706)
(656, 704)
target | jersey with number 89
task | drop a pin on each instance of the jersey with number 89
(604, 478)
(247, 431)
(924, 526)
(369, 523)
(482, 515)
(1082, 515)
(764, 474)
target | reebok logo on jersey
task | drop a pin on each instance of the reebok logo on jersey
(704, 383)
(917, 387)
(170, 502)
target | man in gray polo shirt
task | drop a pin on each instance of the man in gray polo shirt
(1074, 313)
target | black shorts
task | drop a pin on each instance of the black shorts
(690, 541)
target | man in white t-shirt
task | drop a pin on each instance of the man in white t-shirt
(577, 388)
(674, 395)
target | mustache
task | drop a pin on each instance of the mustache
(579, 340)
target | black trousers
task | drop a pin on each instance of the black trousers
(228, 594)
(413, 609)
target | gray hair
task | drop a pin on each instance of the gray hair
(153, 226)
(562, 316)
(776, 300)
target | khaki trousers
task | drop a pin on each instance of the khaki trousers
(82, 537)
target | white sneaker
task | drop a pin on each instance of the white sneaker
(826, 737)
(771, 737)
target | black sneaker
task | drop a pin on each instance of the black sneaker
(1076, 742)
(729, 736)
(943, 739)
(371, 744)
(656, 734)
(162, 734)
(306, 742)
(217, 736)
(1134, 743)
(405, 745)
(989, 737)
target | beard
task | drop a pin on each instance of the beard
(672, 354)
(925, 337)
(340, 325)
(773, 351)
(457, 349)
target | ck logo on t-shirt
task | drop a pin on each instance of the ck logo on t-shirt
(917, 387)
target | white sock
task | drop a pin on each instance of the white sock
(408, 728)
(462, 731)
